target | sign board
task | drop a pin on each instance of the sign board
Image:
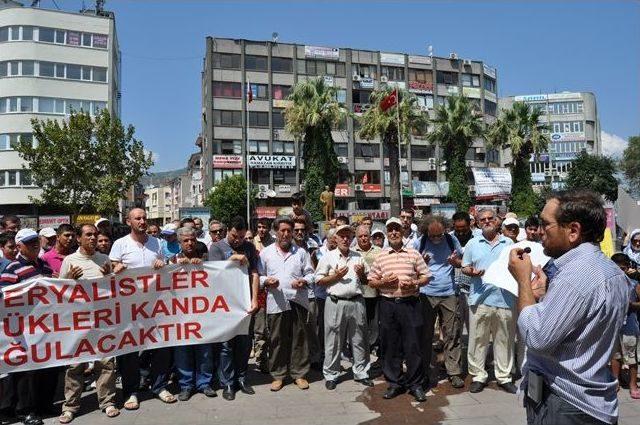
(425, 202)
(531, 98)
(371, 188)
(86, 218)
(564, 96)
(453, 89)
(492, 183)
(420, 87)
(203, 214)
(366, 83)
(430, 189)
(52, 220)
(538, 177)
(471, 92)
(567, 137)
(284, 188)
(266, 212)
(392, 59)
(490, 96)
(272, 161)
(282, 103)
(228, 162)
(342, 191)
(445, 210)
(489, 71)
(424, 60)
(374, 214)
(318, 52)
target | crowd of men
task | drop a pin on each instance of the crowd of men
(365, 290)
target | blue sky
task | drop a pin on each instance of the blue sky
(537, 47)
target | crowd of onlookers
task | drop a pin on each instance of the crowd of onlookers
(393, 291)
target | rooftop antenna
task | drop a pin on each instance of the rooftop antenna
(430, 50)
(99, 7)
(274, 37)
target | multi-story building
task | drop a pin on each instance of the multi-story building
(272, 68)
(571, 120)
(51, 63)
(158, 204)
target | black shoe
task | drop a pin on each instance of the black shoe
(456, 381)
(509, 387)
(477, 387)
(393, 392)
(366, 382)
(228, 393)
(185, 394)
(208, 391)
(330, 385)
(31, 419)
(246, 388)
(418, 394)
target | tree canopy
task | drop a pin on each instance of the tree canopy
(595, 173)
(630, 163)
(228, 199)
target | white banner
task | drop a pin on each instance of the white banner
(492, 182)
(272, 161)
(53, 322)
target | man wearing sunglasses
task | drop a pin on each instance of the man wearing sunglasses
(217, 232)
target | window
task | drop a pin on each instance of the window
(224, 89)
(226, 61)
(99, 74)
(490, 108)
(4, 34)
(86, 39)
(27, 33)
(470, 80)
(364, 71)
(283, 147)
(60, 68)
(341, 149)
(258, 63)
(3, 69)
(230, 147)
(341, 96)
(425, 100)
(372, 177)
(260, 91)
(421, 75)
(100, 41)
(284, 177)
(15, 33)
(13, 178)
(47, 69)
(261, 176)
(259, 119)
(316, 67)
(86, 73)
(489, 84)
(579, 107)
(13, 68)
(366, 150)
(422, 152)
(281, 92)
(281, 65)
(450, 78)
(73, 71)
(277, 118)
(393, 73)
(336, 68)
(98, 106)
(26, 104)
(361, 96)
(60, 35)
(3, 178)
(220, 175)
(227, 118)
(258, 146)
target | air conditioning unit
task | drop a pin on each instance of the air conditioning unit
(263, 187)
(453, 55)
(467, 62)
(356, 77)
(343, 160)
(359, 187)
(432, 160)
(384, 78)
(424, 108)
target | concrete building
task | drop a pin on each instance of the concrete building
(573, 126)
(272, 68)
(159, 201)
(51, 62)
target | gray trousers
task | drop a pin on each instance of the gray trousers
(345, 320)
(553, 410)
(446, 309)
(260, 337)
(289, 343)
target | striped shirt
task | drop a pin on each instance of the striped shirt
(406, 263)
(570, 334)
(22, 269)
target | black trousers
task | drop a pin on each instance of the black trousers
(553, 410)
(29, 392)
(402, 338)
(129, 366)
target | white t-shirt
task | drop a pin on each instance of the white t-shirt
(90, 264)
(133, 254)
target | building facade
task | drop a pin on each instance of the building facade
(271, 155)
(51, 63)
(571, 120)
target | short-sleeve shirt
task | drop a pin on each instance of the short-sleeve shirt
(90, 264)
(442, 282)
(221, 251)
(368, 257)
(53, 259)
(133, 254)
(22, 269)
(350, 285)
(406, 263)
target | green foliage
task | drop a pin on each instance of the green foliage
(312, 115)
(314, 184)
(384, 124)
(524, 201)
(228, 199)
(84, 165)
(455, 126)
(630, 163)
(595, 173)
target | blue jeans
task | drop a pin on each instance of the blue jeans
(234, 360)
(193, 363)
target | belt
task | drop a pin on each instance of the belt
(336, 298)
(398, 300)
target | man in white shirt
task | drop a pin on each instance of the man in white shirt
(134, 250)
(343, 271)
(286, 271)
(86, 262)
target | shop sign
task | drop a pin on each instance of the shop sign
(52, 220)
(430, 189)
(538, 177)
(342, 191)
(492, 183)
(284, 188)
(452, 89)
(425, 202)
(564, 96)
(391, 59)
(318, 52)
(369, 188)
(374, 214)
(366, 83)
(203, 214)
(86, 218)
(490, 96)
(228, 162)
(266, 212)
(424, 60)
(567, 137)
(282, 103)
(531, 98)
(272, 161)
(420, 87)
(471, 92)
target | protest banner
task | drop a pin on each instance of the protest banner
(53, 322)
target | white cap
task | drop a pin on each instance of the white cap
(510, 221)
(375, 232)
(47, 232)
(393, 220)
(26, 235)
(169, 229)
(344, 227)
(100, 220)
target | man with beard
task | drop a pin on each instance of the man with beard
(571, 332)
(491, 308)
(286, 272)
(234, 354)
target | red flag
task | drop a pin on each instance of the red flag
(365, 179)
(389, 101)
(249, 93)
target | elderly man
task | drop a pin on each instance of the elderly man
(511, 228)
(344, 272)
(86, 262)
(287, 273)
(193, 362)
(398, 272)
(491, 308)
(570, 334)
(48, 238)
(217, 232)
(369, 252)
(235, 353)
(27, 395)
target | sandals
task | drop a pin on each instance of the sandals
(167, 397)
(111, 411)
(65, 417)
(132, 403)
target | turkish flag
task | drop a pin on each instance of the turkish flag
(389, 101)
(365, 178)
(249, 93)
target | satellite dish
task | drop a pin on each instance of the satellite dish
(274, 37)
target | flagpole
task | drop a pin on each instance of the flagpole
(399, 147)
(246, 151)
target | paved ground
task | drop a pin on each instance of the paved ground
(350, 403)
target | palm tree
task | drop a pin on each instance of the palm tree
(455, 126)
(311, 116)
(376, 122)
(519, 129)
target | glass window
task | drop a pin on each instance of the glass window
(261, 176)
(226, 60)
(47, 35)
(259, 91)
(14, 140)
(60, 68)
(26, 104)
(255, 62)
(13, 178)
(366, 150)
(224, 89)
(98, 106)
(100, 41)
(341, 96)
(341, 149)
(73, 106)
(450, 78)
(579, 107)
(421, 75)
(99, 74)
(281, 65)
(230, 147)
(470, 80)
(73, 71)
(46, 105)
(13, 68)
(556, 127)
(489, 84)
(3, 69)
(59, 106)
(47, 69)
(86, 39)
(259, 119)
(490, 108)
(393, 73)
(73, 38)
(422, 152)
(277, 118)
(86, 73)
(281, 92)
(12, 104)
(258, 146)
(284, 177)
(15, 33)
(60, 36)
(4, 142)
(302, 66)
(27, 33)
(26, 138)
(3, 178)
(25, 178)
(566, 127)
(4, 34)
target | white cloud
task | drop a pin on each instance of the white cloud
(612, 145)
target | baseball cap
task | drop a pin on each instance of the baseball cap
(510, 221)
(344, 227)
(47, 232)
(393, 220)
(377, 231)
(100, 220)
(169, 229)
(26, 235)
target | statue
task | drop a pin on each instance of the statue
(328, 203)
